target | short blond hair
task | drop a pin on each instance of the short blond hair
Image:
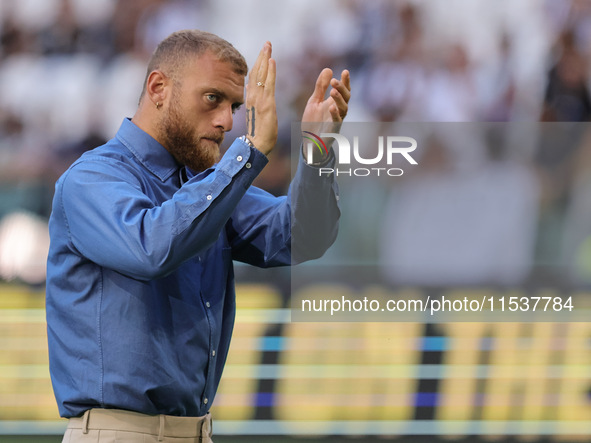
(175, 50)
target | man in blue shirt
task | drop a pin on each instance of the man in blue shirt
(140, 286)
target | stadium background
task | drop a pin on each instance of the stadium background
(70, 70)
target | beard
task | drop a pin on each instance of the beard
(196, 151)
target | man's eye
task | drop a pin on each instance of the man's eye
(211, 98)
(236, 108)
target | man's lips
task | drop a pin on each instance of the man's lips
(216, 139)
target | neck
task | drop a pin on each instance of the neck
(147, 120)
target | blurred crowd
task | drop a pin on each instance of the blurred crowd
(71, 70)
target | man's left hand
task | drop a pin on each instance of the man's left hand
(326, 115)
(334, 108)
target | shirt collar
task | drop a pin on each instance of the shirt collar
(147, 150)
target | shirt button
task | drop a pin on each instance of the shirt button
(207, 304)
(248, 165)
(239, 158)
(205, 400)
(213, 353)
(209, 197)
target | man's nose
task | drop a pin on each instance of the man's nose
(224, 119)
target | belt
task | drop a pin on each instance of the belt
(160, 425)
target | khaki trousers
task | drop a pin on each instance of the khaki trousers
(117, 426)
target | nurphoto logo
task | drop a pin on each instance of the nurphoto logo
(389, 148)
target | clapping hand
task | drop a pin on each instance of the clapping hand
(326, 114)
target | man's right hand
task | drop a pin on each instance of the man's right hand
(261, 112)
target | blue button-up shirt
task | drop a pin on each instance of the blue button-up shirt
(140, 284)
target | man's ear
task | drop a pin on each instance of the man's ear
(156, 88)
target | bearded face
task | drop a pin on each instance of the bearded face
(204, 93)
(182, 139)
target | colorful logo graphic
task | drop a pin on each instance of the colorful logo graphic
(347, 153)
(317, 141)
